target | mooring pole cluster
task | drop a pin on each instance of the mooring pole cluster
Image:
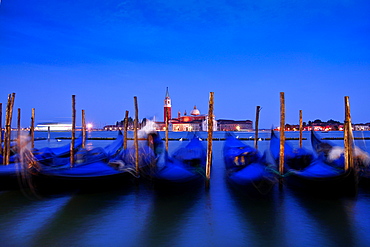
(349, 160)
(349, 163)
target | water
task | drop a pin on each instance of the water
(138, 215)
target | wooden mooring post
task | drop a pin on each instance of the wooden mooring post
(72, 147)
(6, 133)
(8, 128)
(125, 127)
(209, 139)
(136, 140)
(166, 136)
(282, 137)
(348, 137)
(32, 130)
(258, 109)
(350, 165)
(83, 122)
(1, 128)
(19, 131)
(300, 129)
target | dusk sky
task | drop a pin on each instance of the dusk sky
(246, 52)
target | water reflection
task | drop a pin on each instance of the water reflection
(22, 218)
(168, 216)
(258, 216)
(330, 220)
(76, 218)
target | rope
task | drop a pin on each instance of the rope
(287, 174)
(271, 169)
(201, 171)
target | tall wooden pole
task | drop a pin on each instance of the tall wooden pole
(125, 131)
(209, 139)
(33, 129)
(72, 147)
(6, 150)
(258, 109)
(348, 137)
(349, 162)
(8, 128)
(19, 131)
(300, 129)
(1, 128)
(282, 134)
(11, 116)
(136, 141)
(166, 138)
(83, 128)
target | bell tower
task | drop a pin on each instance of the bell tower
(167, 106)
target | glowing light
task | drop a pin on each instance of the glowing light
(238, 128)
(89, 126)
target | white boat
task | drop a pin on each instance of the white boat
(52, 126)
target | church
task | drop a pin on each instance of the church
(195, 121)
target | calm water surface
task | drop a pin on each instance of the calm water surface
(138, 215)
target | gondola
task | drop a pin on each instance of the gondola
(334, 156)
(185, 166)
(48, 155)
(11, 174)
(91, 169)
(149, 152)
(306, 172)
(246, 168)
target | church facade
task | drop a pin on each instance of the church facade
(195, 121)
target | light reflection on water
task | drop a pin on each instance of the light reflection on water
(140, 215)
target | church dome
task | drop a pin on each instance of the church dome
(195, 111)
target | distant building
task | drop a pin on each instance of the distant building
(112, 127)
(360, 127)
(234, 125)
(317, 125)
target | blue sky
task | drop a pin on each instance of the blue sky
(246, 52)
